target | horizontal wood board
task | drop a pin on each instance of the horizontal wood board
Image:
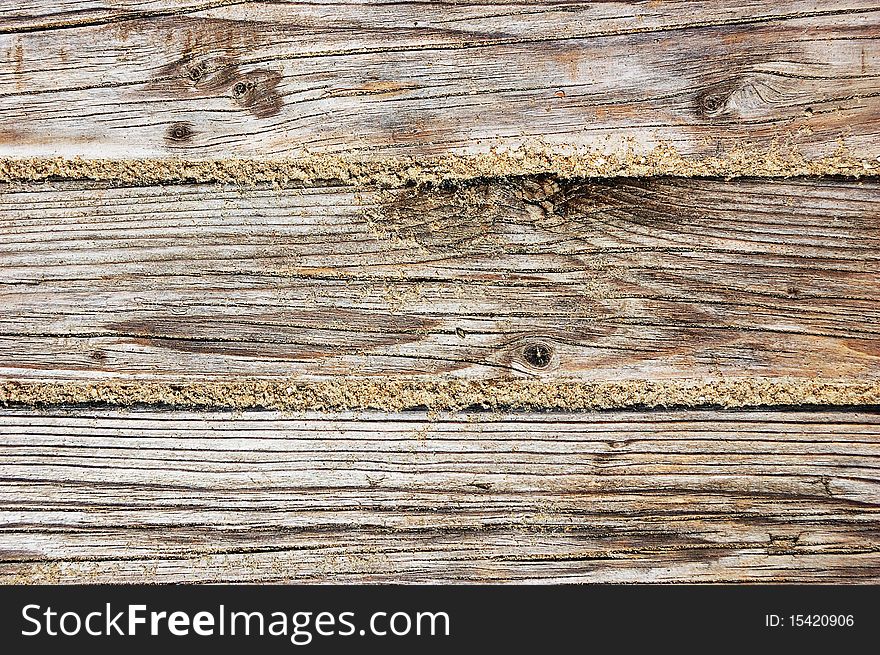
(130, 496)
(282, 79)
(614, 280)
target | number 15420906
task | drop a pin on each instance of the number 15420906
(809, 620)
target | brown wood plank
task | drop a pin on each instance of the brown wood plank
(283, 79)
(589, 281)
(111, 496)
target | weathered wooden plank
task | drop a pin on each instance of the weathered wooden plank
(591, 281)
(109, 495)
(280, 79)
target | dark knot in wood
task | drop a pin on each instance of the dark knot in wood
(538, 355)
(716, 100)
(179, 133)
(258, 94)
(239, 89)
(197, 72)
(713, 103)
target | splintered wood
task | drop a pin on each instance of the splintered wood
(360, 292)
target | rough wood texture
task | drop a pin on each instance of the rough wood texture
(117, 288)
(617, 280)
(110, 496)
(221, 79)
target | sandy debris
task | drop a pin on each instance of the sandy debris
(355, 393)
(776, 160)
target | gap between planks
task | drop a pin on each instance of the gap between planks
(566, 164)
(353, 393)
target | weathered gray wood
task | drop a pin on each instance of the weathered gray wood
(617, 280)
(260, 79)
(621, 280)
(114, 496)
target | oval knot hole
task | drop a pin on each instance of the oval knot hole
(239, 89)
(197, 73)
(538, 355)
(179, 133)
(715, 101)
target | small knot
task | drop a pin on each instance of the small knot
(258, 92)
(179, 133)
(239, 89)
(538, 355)
(196, 73)
(715, 101)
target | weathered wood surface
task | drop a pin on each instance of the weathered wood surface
(113, 496)
(618, 280)
(270, 79)
(495, 279)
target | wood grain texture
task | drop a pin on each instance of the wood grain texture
(277, 79)
(118, 496)
(614, 280)
(494, 280)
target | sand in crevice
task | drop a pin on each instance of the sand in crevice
(745, 161)
(402, 394)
